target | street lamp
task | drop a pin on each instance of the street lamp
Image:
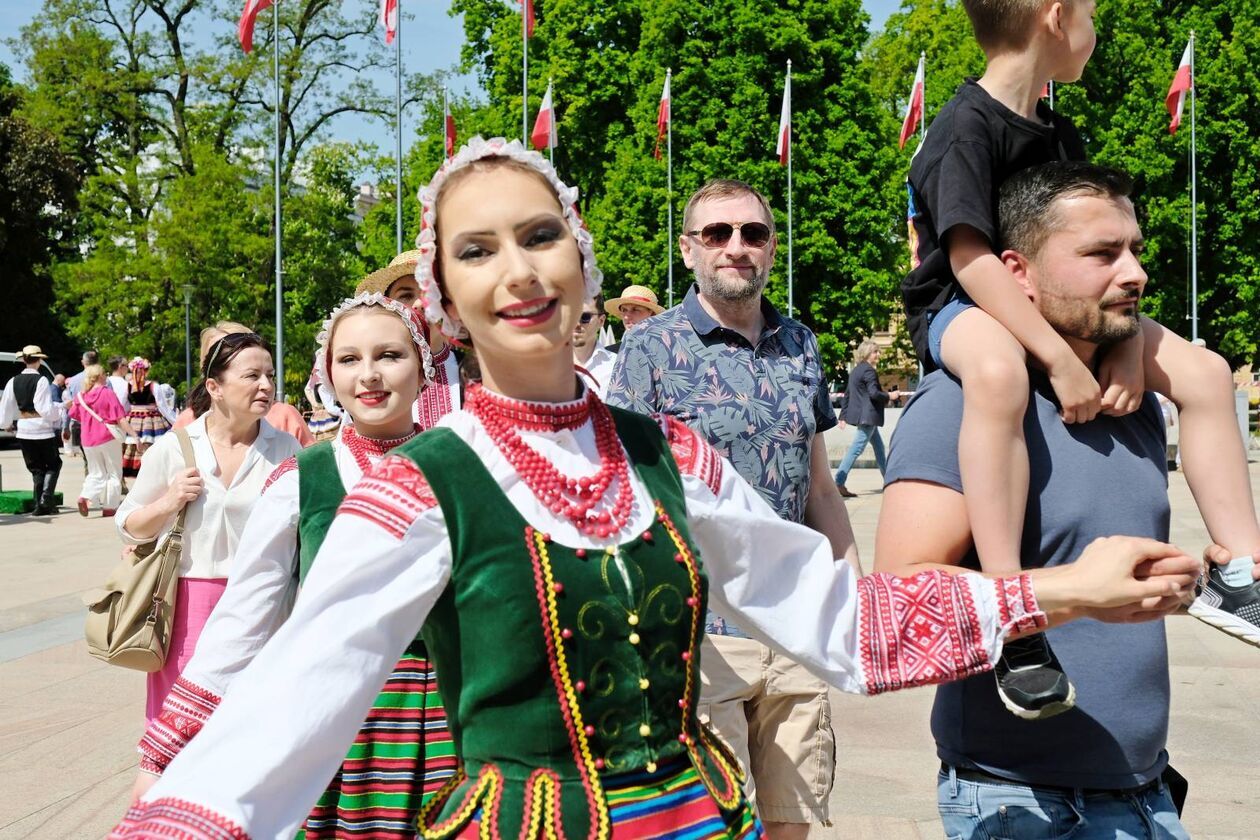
(188, 290)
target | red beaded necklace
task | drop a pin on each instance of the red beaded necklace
(573, 498)
(363, 447)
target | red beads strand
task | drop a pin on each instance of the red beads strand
(362, 447)
(572, 498)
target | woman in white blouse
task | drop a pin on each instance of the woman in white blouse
(235, 451)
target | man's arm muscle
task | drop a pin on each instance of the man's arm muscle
(921, 526)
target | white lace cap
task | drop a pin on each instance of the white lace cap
(478, 148)
(409, 316)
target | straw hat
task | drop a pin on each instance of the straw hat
(379, 281)
(31, 351)
(637, 295)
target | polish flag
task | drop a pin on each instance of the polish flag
(662, 118)
(544, 133)
(389, 19)
(1176, 99)
(245, 28)
(914, 108)
(784, 146)
(527, 14)
(1045, 91)
(448, 124)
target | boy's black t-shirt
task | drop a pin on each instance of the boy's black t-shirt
(974, 144)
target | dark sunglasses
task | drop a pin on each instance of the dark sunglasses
(716, 235)
(233, 341)
(587, 317)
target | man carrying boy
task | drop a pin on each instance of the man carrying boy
(966, 315)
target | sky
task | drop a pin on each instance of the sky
(435, 47)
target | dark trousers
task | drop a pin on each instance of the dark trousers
(43, 460)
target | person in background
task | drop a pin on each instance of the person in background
(147, 421)
(594, 362)
(235, 450)
(28, 402)
(863, 409)
(282, 416)
(74, 387)
(636, 305)
(95, 409)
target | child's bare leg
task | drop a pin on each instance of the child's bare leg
(992, 454)
(1213, 459)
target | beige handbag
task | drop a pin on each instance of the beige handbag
(129, 618)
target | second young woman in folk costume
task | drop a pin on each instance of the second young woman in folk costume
(150, 415)
(559, 555)
(372, 355)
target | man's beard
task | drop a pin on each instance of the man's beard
(1090, 321)
(731, 290)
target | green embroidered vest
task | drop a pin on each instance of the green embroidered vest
(320, 492)
(560, 667)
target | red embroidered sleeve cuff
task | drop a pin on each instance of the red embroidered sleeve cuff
(184, 713)
(1018, 610)
(918, 631)
(693, 454)
(175, 818)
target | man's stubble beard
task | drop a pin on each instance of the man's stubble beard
(740, 291)
(1087, 321)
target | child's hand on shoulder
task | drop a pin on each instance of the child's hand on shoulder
(1080, 398)
(1123, 378)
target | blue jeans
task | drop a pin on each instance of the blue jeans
(863, 435)
(972, 810)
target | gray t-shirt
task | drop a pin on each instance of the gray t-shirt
(1102, 478)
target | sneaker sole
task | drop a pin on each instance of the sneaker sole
(1047, 711)
(1226, 622)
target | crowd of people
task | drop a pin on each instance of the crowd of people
(506, 580)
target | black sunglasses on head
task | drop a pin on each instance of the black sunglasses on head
(232, 340)
(716, 235)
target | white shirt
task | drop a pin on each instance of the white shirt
(121, 390)
(216, 519)
(51, 414)
(600, 368)
(267, 752)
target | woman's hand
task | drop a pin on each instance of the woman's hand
(185, 488)
(144, 781)
(1118, 572)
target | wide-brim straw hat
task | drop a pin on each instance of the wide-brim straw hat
(637, 295)
(31, 351)
(379, 281)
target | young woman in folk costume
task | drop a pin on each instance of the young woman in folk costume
(559, 555)
(372, 355)
(148, 416)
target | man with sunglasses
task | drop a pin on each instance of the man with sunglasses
(594, 362)
(751, 381)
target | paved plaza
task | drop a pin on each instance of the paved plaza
(69, 724)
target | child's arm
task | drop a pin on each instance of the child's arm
(1122, 377)
(989, 283)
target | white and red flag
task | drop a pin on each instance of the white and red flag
(544, 133)
(448, 128)
(527, 15)
(914, 108)
(245, 28)
(1182, 82)
(784, 145)
(389, 19)
(662, 118)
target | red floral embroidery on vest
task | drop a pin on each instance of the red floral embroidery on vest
(693, 454)
(393, 494)
(918, 630)
(175, 819)
(287, 465)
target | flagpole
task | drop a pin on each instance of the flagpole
(923, 115)
(1051, 94)
(398, 183)
(669, 187)
(524, 74)
(275, 43)
(551, 132)
(1194, 212)
(790, 144)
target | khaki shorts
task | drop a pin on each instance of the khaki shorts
(776, 718)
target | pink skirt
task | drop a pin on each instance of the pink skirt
(195, 599)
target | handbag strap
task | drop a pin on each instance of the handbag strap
(79, 398)
(190, 461)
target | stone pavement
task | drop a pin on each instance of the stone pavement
(68, 724)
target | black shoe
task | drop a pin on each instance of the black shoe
(1031, 681)
(40, 510)
(1232, 609)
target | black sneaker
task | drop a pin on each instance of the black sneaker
(1232, 609)
(1030, 680)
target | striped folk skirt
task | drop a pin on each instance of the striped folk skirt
(402, 755)
(148, 425)
(672, 802)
